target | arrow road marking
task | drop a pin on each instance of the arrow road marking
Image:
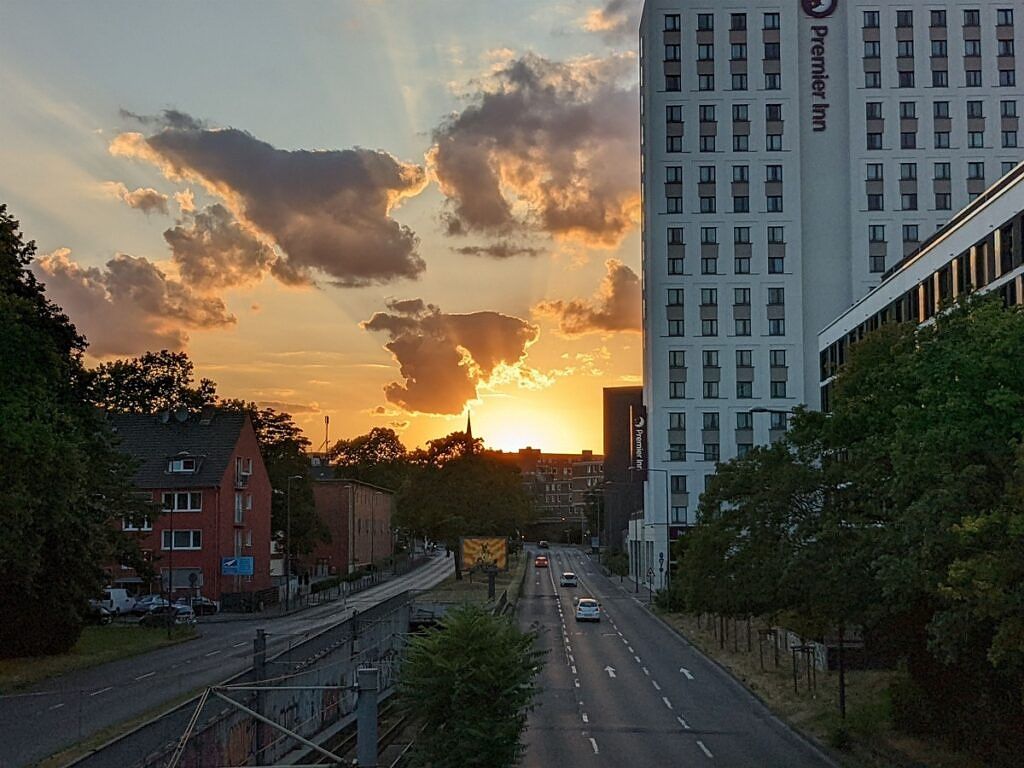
(593, 743)
(686, 672)
(704, 749)
(610, 670)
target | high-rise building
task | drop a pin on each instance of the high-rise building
(623, 489)
(792, 153)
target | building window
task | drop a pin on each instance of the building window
(905, 49)
(1007, 77)
(908, 171)
(876, 202)
(674, 174)
(705, 22)
(905, 80)
(674, 143)
(677, 390)
(673, 113)
(940, 109)
(939, 49)
(773, 112)
(973, 78)
(908, 201)
(709, 297)
(874, 172)
(773, 173)
(742, 327)
(675, 235)
(709, 358)
(1004, 17)
(773, 142)
(771, 21)
(675, 328)
(872, 79)
(710, 390)
(671, 53)
(1009, 139)
(182, 539)
(776, 296)
(942, 171)
(711, 452)
(744, 390)
(673, 83)
(740, 204)
(182, 501)
(976, 171)
(904, 18)
(741, 143)
(709, 328)
(776, 235)
(976, 139)
(941, 139)
(874, 141)
(180, 466)
(772, 81)
(707, 143)
(777, 358)
(707, 204)
(778, 420)
(741, 265)
(772, 51)
(908, 110)
(777, 327)
(1008, 108)
(938, 19)
(145, 524)
(705, 82)
(871, 19)
(677, 358)
(876, 233)
(708, 235)
(737, 21)
(675, 266)
(677, 421)
(940, 78)
(708, 265)
(876, 264)
(741, 296)
(873, 110)
(777, 389)
(744, 420)
(911, 233)
(1005, 48)
(677, 452)
(774, 203)
(741, 173)
(943, 201)
(744, 358)
(738, 81)
(908, 140)
(673, 205)
(975, 109)
(776, 265)
(671, 22)
(972, 48)
(872, 49)
(705, 52)
(740, 113)
(710, 421)
(674, 297)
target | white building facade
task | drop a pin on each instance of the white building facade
(792, 152)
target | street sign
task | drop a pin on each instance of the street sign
(650, 574)
(237, 566)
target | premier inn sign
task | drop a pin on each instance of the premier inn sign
(819, 9)
(638, 442)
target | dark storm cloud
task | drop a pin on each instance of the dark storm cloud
(328, 211)
(128, 306)
(443, 358)
(615, 307)
(558, 140)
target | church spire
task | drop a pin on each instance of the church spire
(469, 426)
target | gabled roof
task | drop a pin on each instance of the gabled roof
(209, 437)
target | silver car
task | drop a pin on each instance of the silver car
(588, 609)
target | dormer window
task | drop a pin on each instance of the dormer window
(181, 465)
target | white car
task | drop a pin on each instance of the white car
(588, 609)
(568, 579)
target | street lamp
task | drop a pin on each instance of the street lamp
(288, 543)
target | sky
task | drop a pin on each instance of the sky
(389, 213)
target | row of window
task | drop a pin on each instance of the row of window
(707, 174)
(711, 390)
(741, 327)
(709, 204)
(738, 82)
(706, 22)
(741, 265)
(740, 143)
(941, 140)
(711, 421)
(937, 18)
(709, 235)
(709, 297)
(975, 108)
(940, 79)
(941, 171)
(939, 49)
(943, 201)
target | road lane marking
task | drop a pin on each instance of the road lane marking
(576, 683)
(704, 749)
(593, 743)
(585, 718)
(101, 690)
(239, 645)
(637, 659)
(683, 723)
(617, 632)
(630, 648)
(625, 641)
(574, 669)
(686, 672)
(212, 653)
(56, 706)
(610, 670)
(667, 702)
(143, 677)
(655, 684)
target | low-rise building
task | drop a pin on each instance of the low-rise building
(204, 473)
(562, 485)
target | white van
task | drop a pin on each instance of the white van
(116, 601)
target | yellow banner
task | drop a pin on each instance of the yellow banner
(481, 551)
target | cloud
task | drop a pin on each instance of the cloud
(142, 199)
(502, 250)
(617, 21)
(328, 211)
(186, 201)
(544, 146)
(213, 250)
(168, 118)
(292, 408)
(615, 306)
(128, 306)
(443, 358)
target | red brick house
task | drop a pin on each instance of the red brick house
(358, 515)
(205, 472)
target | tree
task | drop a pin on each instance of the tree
(63, 484)
(155, 382)
(283, 447)
(471, 682)
(378, 458)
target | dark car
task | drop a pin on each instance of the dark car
(165, 615)
(543, 544)
(96, 613)
(203, 606)
(146, 603)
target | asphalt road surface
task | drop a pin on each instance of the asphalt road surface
(630, 692)
(64, 710)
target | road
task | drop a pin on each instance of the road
(629, 691)
(65, 710)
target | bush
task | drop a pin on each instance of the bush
(322, 586)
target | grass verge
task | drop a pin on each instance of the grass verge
(866, 739)
(97, 645)
(473, 587)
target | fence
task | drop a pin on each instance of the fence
(305, 688)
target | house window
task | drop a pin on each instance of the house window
(182, 539)
(182, 501)
(181, 465)
(145, 524)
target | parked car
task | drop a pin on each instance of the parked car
(540, 562)
(588, 609)
(543, 544)
(203, 606)
(568, 579)
(144, 604)
(97, 613)
(116, 600)
(163, 615)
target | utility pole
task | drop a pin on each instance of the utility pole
(259, 668)
(288, 544)
(366, 718)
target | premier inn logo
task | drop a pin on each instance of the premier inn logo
(820, 9)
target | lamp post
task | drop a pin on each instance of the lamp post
(288, 543)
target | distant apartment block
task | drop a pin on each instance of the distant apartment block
(562, 485)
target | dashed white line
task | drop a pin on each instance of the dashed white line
(593, 743)
(573, 669)
(239, 645)
(576, 683)
(637, 659)
(683, 723)
(143, 677)
(655, 684)
(704, 749)
(630, 648)
(625, 641)
(101, 690)
(667, 702)
(56, 706)
(211, 653)
(585, 718)
(646, 671)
